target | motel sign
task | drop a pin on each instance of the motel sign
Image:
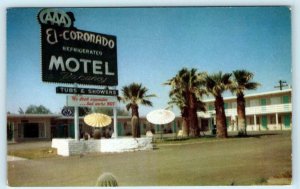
(74, 56)
(70, 55)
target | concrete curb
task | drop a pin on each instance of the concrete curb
(14, 158)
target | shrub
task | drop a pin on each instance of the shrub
(97, 134)
(85, 136)
(261, 180)
(107, 179)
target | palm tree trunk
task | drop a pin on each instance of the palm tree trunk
(185, 122)
(241, 115)
(136, 133)
(194, 124)
(220, 118)
(185, 127)
(194, 131)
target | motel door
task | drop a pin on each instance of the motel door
(228, 121)
(72, 131)
(31, 130)
(286, 99)
(287, 121)
(264, 121)
(60, 131)
(120, 129)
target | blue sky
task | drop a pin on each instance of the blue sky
(154, 43)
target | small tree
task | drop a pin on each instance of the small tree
(133, 95)
(33, 109)
(21, 111)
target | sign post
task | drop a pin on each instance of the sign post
(76, 119)
(115, 122)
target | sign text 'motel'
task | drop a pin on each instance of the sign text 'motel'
(87, 91)
(70, 55)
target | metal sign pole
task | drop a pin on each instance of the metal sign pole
(115, 120)
(76, 118)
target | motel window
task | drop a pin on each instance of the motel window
(253, 102)
(42, 130)
(10, 130)
(275, 100)
(20, 130)
(272, 119)
(229, 105)
(251, 120)
(225, 105)
(279, 120)
(257, 120)
(234, 105)
(247, 103)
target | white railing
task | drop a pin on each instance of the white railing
(277, 108)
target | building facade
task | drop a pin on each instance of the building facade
(264, 111)
(32, 127)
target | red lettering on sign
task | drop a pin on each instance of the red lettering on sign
(110, 103)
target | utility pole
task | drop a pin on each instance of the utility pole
(281, 84)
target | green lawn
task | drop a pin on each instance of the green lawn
(253, 160)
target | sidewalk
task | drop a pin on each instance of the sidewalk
(14, 158)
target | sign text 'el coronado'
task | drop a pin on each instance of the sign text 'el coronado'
(70, 55)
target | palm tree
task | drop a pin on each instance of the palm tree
(186, 92)
(241, 82)
(133, 95)
(179, 100)
(216, 84)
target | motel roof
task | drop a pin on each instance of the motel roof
(10, 115)
(55, 116)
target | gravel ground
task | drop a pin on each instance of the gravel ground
(238, 161)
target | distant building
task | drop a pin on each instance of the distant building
(264, 111)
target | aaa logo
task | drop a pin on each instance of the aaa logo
(55, 17)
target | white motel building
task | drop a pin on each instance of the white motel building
(264, 111)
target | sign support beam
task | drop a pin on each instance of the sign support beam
(115, 121)
(76, 119)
